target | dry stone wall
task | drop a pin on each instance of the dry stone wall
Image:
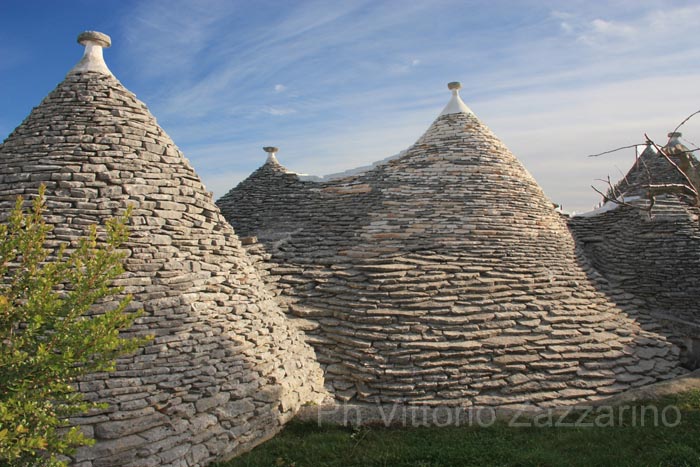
(444, 277)
(226, 369)
(654, 256)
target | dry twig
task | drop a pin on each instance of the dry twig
(675, 130)
(614, 150)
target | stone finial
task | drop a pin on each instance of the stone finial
(456, 105)
(93, 59)
(99, 38)
(271, 151)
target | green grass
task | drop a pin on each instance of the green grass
(625, 444)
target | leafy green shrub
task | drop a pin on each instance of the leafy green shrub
(47, 338)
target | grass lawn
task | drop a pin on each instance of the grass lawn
(625, 444)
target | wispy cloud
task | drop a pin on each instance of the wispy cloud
(643, 29)
(404, 66)
(278, 111)
(358, 81)
(600, 32)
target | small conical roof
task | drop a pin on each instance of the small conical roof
(446, 276)
(652, 168)
(248, 200)
(226, 368)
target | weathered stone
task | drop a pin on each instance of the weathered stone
(118, 429)
(203, 405)
(509, 359)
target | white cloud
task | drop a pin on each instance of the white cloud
(603, 32)
(404, 66)
(278, 111)
(280, 88)
(638, 26)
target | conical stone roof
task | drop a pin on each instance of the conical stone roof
(651, 168)
(445, 276)
(270, 178)
(226, 368)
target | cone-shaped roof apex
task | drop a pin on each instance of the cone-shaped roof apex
(649, 151)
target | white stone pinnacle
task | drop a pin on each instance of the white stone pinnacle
(456, 104)
(93, 59)
(271, 151)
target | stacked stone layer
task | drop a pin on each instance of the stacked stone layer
(226, 368)
(443, 277)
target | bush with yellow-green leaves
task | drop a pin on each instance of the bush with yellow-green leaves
(48, 337)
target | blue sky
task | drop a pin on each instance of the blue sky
(338, 84)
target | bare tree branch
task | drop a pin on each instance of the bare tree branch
(685, 121)
(691, 143)
(618, 201)
(686, 168)
(614, 150)
(647, 171)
